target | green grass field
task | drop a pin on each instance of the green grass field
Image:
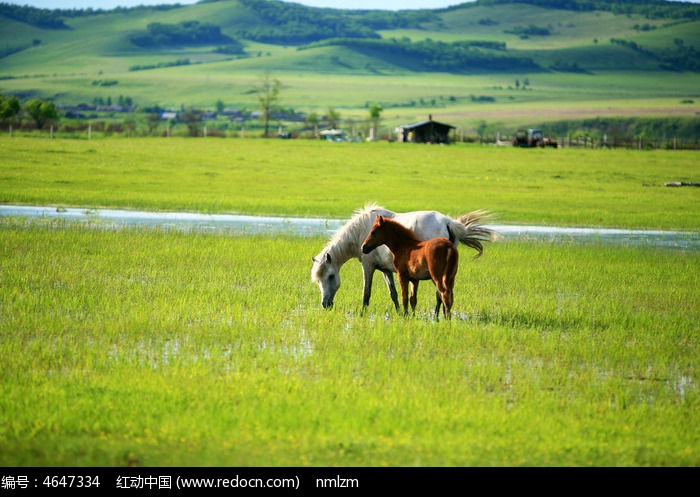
(152, 347)
(67, 66)
(148, 348)
(564, 187)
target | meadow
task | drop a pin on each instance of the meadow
(153, 347)
(142, 348)
(309, 178)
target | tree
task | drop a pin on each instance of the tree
(350, 123)
(312, 120)
(481, 129)
(333, 117)
(268, 95)
(153, 121)
(9, 107)
(41, 112)
(375, 114)
(192, 118)
(130, 124)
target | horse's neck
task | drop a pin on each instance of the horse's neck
(342, 252)
(398, 239)
(347, 244)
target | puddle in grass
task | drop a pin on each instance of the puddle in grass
(242, 224)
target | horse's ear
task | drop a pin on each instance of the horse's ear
(380, 219)
(328, 258)
(313, 259)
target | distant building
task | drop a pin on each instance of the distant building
(332, 135)
(425, 132)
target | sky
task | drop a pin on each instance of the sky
(336, 4)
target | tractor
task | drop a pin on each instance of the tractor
(532, 138)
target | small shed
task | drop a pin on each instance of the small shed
(425, 132)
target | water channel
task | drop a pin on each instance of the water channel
(242, 224)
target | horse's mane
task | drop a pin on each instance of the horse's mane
(345, 242)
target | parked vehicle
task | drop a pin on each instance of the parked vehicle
(532, 138)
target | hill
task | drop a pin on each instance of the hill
(491, 60)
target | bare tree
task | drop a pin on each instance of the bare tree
(268, 95)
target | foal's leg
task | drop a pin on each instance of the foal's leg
(448, 299)
(403, 281)
(448, 295)
(438, 300)
(414, 295)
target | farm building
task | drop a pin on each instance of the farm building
(425, 132)
(332, 135)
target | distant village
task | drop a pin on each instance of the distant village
(89, 111)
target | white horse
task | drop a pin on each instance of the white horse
(346, 244)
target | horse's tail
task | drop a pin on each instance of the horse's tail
(469, 230)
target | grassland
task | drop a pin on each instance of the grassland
(156, 349)
(140, 347)
(565, 187)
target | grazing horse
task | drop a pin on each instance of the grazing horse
(436, 259)
(346, 244)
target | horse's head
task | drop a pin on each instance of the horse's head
(327, 276)
(375, 238)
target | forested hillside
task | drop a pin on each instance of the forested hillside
(494, 54)
(368, 31)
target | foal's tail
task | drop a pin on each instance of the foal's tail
(469, 230)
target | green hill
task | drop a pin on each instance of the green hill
(574, 52)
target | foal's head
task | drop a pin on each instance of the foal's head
(384, 231)
(375, 237)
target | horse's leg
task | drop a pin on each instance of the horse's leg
(414, 295)
(389, 278)
(442, 287)
(403, 281)
(438, 298)
(448, 285)
(451, 300)
(447, 300)
(368, 274)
